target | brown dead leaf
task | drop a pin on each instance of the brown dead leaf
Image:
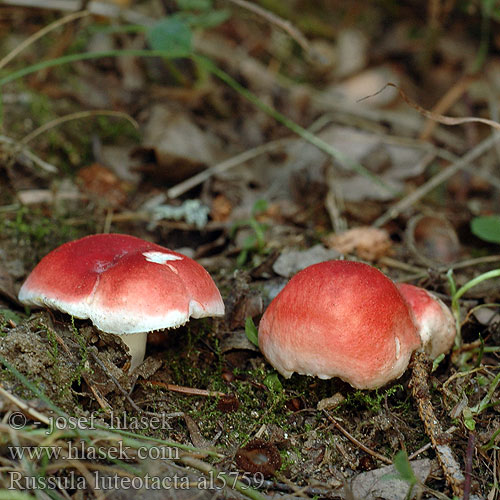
(221, 208)
(368, 243)
(180, 147)
(102, 182)
(293, 261)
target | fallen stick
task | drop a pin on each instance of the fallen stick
(439, 439)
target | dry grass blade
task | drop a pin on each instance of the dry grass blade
(185, 390)
(76, 116)
(435, 181)
(453, 94)
(445, 120)
(25, 407)
(278, 21)
(184, 186)
(39, 34)
(351, 438)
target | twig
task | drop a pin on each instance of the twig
(415, 454)
(351, 438)
(435, 181)
(446, 101)
(285, 25)
(488, 259)
(318, 490)
(184, 390)
(468, 465)
(25, 407)
(31, 156)
(446, 120)
(184, 186)
(75, 116)
(250, 154)
(39, 34)
(420, 391)
(98, 396)
(138, 409)
(403, 266)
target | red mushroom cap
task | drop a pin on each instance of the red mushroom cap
(435, 322)
(123, 284)
(340, 319)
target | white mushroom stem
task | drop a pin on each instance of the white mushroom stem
(136, 343)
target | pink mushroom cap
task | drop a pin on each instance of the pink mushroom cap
(434, 320)
(124, 285)
(340, 319)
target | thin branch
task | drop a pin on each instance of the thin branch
(184, 186)
(185, 390)
(39, 34)
(359, 444)
(35, 414)
(125, 393)
(285, 25)
(76, 116)
(435, 181)
(29, 154)
(421, 395)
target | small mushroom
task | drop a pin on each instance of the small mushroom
(435, 322)
(340, 319)
(124, 285)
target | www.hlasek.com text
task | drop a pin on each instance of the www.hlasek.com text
(80, 450)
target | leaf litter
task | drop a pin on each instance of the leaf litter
(264, 201)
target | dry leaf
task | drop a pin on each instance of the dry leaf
(375, 484)
(290, 263)
(180, 146)
(368, 243)
(102, 182)
(221, 208)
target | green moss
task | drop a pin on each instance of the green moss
(36, 234)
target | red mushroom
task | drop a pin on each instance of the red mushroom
(435, 322)
(340, 319)
(124, 285)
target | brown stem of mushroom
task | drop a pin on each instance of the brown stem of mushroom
(420, 391)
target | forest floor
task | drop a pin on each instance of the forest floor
(257, 138)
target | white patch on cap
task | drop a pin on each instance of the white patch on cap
(398, 347)
(160, 257)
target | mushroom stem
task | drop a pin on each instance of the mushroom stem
(136, 343)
